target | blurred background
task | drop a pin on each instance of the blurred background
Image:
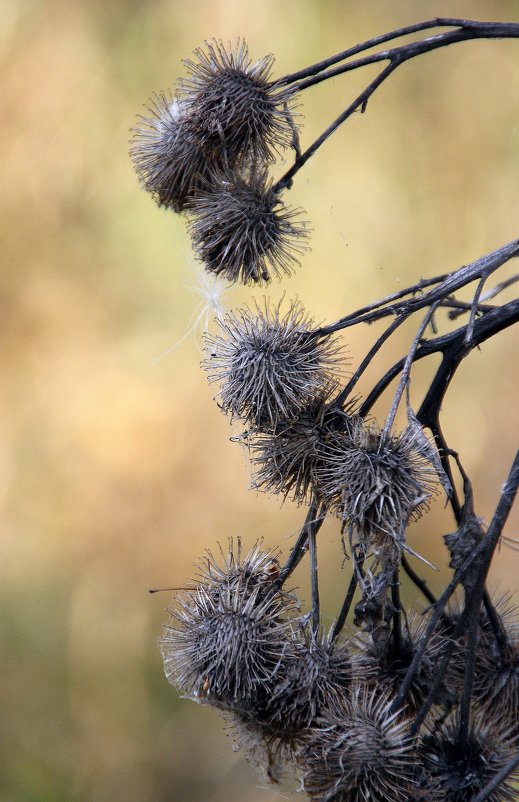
(116, 470)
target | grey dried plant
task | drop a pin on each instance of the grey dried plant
(363, 751)
(460, 768)
(386, 660)
(228, 634)
(377, 482)
(317, 675)
(320, 677)
(225, 114)
(169, 159)
(404, 707)
(285, 459)
(270, 364)
(235, 106)
(241, 229)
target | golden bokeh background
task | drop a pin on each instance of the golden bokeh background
(116, 470)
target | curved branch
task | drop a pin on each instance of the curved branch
(482, 554)
(447, 285)
(314, 69)
(467, 29)
(437, 22)
(454, 349)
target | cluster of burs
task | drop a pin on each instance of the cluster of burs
(358, 718)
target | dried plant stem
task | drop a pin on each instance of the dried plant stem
(473, 612)
(446, 286)
(359, 102)
(345, 393)
(421, 584)
(239, 641)
(468, 29)
(492, 30)
(454, 350)
(396, 634)
(497, 780)
(313, 522)
(345, 609)
(495, 623)
(406, 371)
(314, 579)
(482, 553)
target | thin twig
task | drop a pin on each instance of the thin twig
(341, 398)
(474, 608)
(453, 348)
(396, 616)
(314, 577)
(449, 284)
(402, 53)
(314, 69)
(474, 309)
(345, 609)
(353, 318)
(459, 308)
(467, 29)
(299, 548)
(406, 370)
(483, 552)
(286, 180)
(421, 584)
(486, 296)
(496, 623)
(496, 781)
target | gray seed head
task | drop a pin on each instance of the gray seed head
(459, 772)
(169, 159)
(286, 459)
(376, 659)
(234, 105)
(241, 229)
(377, 483)
(269, 365)
(229, 634)
(317, 676)
(225, 114)
(363, 752)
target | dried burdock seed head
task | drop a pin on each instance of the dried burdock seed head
(459, 769)
(318, 676)
(285, 458)
(496, 675)
(387, 659)
(496, 670)
(269, 365)
(228, 637)
(260, 566)
(226, 113)
(234, 105)
(362, 752)
(372, 612)
(169, 160)
(242, 231)
(377, 482)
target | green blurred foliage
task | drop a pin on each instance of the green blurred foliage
(116, 471)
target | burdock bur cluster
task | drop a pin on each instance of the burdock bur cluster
(407, 704)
